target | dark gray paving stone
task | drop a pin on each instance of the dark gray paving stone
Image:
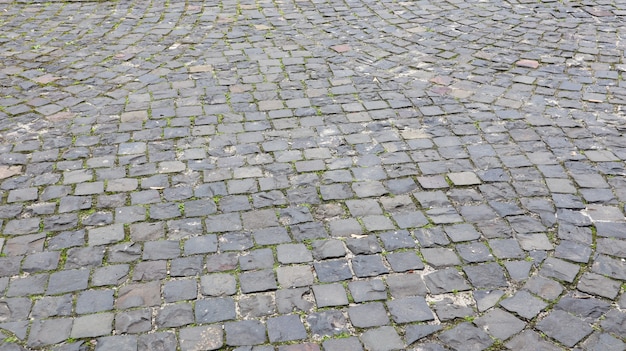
(462, 232)
(19, 329)
(176, 315)
(221, 262)
(327, 323)
(466, 337)
(186, 266)
(447, 310)
(344, 227)
(578, 234)
(99, 218)
(404, 261)
(445, 281)
(368, 290)
(105, 235)
(160, 250)
(257, 259)
(440, 257)
(223, 223)
(293, 253)
(614, 322)
(599, 285)
(198, 208)
(109, 275)
(474, 252)
(412, 219)
(530, 242)
(365, 245)
(603, 341)
(84, 257)
(235, 242)
(415, 332)
(219, 284)
(28, 285)
(295, 299)
(332, 270)
(178, 290)
(486, 275)
(586, 307)
(500, 324)
(139, 295)
(24, 244)
(133, 321)
(363, 207)
(92, 325)
(368, 315)
(178, 229)
(523, 304)
(147, 231)
(395, 240)
(403, 285)
(92, 301)
(215, 310)
(568, 201)
(526, 224)
(49, 332)
(203, 244)
(368, 266)
(257, 305)
(447, 215)
(610, 267)
(22, 226)
(485, 299)
(257, 281)
(68, 281)
(294, 215)
(564, 328)
(545, 288)
(410, 309)
(10, 266)
(331, 248)
(150, 270)
(559, 269)
(382, 339)
(67, 239)
(295, 276)
(611, 229)
(506, 248)
(285, 328)
(329, 295)
(49, 306)
(271, 236)
(258, 219)
(576, 218)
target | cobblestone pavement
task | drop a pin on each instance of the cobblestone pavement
(312, 175)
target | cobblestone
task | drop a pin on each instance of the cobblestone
(301, 175)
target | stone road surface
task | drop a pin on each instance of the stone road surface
(312, 175)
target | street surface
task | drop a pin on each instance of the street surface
(302, 175)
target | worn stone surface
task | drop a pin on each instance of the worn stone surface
(301, 175)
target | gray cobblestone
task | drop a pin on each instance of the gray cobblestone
(177, 166)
